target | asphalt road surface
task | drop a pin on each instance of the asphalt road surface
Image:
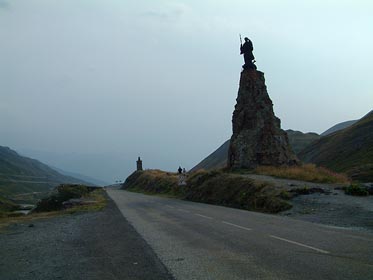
(99, 245)
(201, 241)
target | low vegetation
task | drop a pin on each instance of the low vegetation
(356, 190)
(153, 182)
(221, 188)
(86, 199)
(306, 172)
(6, 206)
(214, 187)
(64, 193)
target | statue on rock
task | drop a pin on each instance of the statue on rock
(247, 51)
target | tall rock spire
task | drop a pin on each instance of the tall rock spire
(257, 135)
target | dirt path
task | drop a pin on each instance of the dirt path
(97, 245)
(332, 208)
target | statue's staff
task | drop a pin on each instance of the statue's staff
(240, 39)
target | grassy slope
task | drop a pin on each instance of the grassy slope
(338, 127)
(212, 187)
(15, 168)
(349, 150)
(97, 201)
(7, 205)
(306, 172)
(216, 160)
(299, 140)
(153, 181)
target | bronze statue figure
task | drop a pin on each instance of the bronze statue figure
(247, 51)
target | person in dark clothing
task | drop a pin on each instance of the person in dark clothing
(180, 170)
(247, 51)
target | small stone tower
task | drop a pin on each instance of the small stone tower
(139, 164)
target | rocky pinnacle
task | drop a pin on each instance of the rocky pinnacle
(257, 135)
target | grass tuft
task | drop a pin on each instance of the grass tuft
(356, 190)
(306, 172)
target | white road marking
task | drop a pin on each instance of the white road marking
(241, 227)
(300, 244)
(170, 206)
(203, 216)
(182, 210)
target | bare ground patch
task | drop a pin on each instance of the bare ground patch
(332, 207)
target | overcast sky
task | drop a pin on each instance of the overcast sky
(113, 79)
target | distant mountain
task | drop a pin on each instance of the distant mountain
(341, 126)
(349, 150)
(299, 140)
(215, 160)
(346, 147)
(90, 180)
(20, 174)
(218, 159)
(116, 167)
(338, 127)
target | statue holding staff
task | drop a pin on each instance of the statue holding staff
(247, 51)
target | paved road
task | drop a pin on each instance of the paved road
(201, 241)
(98, 245)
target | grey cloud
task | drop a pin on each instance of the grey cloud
(172, 12)
(4, 4)
(154, 14)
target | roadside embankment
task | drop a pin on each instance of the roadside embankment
(6, 206)
(65, 199)
(330, 204)
(213, 187)
(68, 196)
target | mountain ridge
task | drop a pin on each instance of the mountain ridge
(338, 127)
(298, 140)
(349, 150)
(20, 174)
(88, 179)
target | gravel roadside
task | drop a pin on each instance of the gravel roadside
(333, 208)
(95, 245)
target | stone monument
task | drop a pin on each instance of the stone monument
(257, 137)
(139, 164)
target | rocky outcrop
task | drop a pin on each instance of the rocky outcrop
(257, 135)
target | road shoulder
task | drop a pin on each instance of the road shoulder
(94, 245)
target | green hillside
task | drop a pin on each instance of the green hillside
(7, 205)
(338, 127)
(20, 174)
(349, 150)
(216, 160)
(299, 140)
